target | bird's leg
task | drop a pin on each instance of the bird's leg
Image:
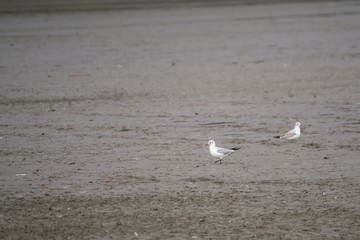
(219, 160)
(243, 165)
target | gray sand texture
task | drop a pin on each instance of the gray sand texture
(105, 114)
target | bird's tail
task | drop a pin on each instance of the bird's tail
(277, 136)
(237, 148)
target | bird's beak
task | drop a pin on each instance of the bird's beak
(206, 144)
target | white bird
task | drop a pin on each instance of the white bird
(292, 134)
(219, 152)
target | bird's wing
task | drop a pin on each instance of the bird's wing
(289, 134)
(224, 151)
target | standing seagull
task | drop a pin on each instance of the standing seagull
(292, 134)
(219, 152)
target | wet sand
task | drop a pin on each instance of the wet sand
(105, 116)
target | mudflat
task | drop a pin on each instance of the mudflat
(105, 114)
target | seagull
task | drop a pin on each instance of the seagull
(292, 134)
(219, 152)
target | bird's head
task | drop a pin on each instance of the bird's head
(210, 143)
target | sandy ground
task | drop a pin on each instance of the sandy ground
(105, 116)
